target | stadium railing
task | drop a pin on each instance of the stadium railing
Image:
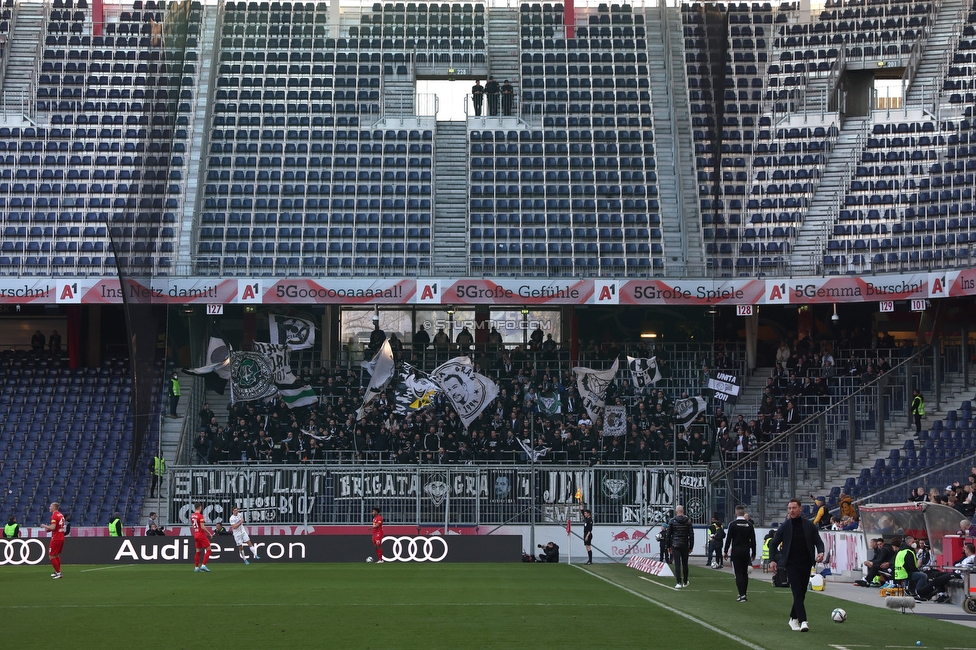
(840, 435)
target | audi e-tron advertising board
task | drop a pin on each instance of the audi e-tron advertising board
(279, 548)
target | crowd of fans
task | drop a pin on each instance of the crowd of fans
(330, 430)
(959, 495)
(800, 384)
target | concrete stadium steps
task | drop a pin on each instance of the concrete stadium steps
(866, 453)
(504, 46)
(450, 227)
(944, 33)
(811, 239)
(22, 53)
(199, 141)
(673, 142)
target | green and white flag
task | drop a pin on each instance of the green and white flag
(549, 403)
(296, 397)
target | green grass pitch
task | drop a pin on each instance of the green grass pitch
(428, 606)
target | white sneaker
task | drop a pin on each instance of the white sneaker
(57, 576)
(677, 585)
(684, 584)
(379, 561)
(804, 627)
(794, 625)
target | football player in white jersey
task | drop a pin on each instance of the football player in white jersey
(240, 535)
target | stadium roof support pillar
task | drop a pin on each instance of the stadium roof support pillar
(334, 19)
(752, 335)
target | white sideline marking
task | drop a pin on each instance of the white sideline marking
(102, 568)
(655, 582)
(709, 626)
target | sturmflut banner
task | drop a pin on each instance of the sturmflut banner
(464, 494)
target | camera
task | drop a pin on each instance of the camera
(539, 545)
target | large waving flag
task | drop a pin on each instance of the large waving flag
(592, 387)
(280, 358)
(686, 410)
(644, 372)
(218, 359)
(251, 377)
(413, 390)
(381, 372)
(296, 397)
(292, 331)
(470, 392)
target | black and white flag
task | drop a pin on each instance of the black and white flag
(533, 454)
(280, 358)
(251, 377)
(686, 410)
(615, 421)
(592, 387)
(292, 331)
(470, 392)
(218, 359)
(413, 390)
(644, 372)
(381, 372)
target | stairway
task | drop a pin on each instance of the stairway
(866, 453)
(813, 232)
(816, 95)
(170, 430)
(750, 396)
(21, 55)
(450, 228)
(504, 46)
(673, 145)
(944, 33)
(399, 95)
(199, 140)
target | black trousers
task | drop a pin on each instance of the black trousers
(680, 555)
(799, 577)
(740, 565)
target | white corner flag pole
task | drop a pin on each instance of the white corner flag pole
(569, 534)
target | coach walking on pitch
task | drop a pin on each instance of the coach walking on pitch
(681, 534)
(801, 548)
(741, 539)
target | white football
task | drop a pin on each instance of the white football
(838, 615)
(714, 565)
(369, 559)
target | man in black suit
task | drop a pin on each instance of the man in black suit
(492, 90)
(798, 541)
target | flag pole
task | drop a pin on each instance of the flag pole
(569, 534)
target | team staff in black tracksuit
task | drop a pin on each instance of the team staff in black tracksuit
(801, 548)
(741, 539)
(588, 534)
(681, 535)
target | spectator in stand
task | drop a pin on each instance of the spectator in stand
(37, 342)
(783, 353)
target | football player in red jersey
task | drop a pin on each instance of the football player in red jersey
(378, 534)
(201, 538)
(56, 528)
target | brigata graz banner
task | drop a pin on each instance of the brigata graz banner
(437, 495)
(490, 291)
(290, 548)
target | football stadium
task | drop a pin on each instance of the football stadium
(289, 290)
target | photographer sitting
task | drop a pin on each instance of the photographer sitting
(550, 552)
